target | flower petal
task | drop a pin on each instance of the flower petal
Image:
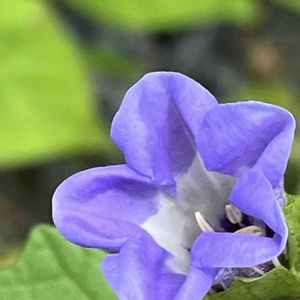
(254, 195)
(235, 137)
(140, 271)
(154, 123)
(196, 190)
(197, 283)
(102, 207)
(230, 250)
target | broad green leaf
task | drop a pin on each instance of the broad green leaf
(292, 213)
(168, 14)
(46, 106)
(53, 268)
(276, 284)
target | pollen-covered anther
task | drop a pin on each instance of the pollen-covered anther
(233, 214)
(251, 230)
(202, 223)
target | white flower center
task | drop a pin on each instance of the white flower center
(174, 227)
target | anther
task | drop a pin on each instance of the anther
(203, 224)
(251, 230)
(233, 214)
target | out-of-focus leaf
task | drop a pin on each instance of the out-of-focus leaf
(291, 4)
(274, 92)
(46, 106)
(53, 268)
(116, 64)
(169, 14)
(292, 213)
(279, 283)
(9, 253)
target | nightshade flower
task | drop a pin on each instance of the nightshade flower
(201, 191)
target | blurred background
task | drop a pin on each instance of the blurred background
(66, 64)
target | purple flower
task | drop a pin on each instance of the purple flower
(201, 191)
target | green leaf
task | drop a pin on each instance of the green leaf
(276, 284)
(294, 5)
(292, 214)
(115, 64)
(169, 14)
(9, 253)
(275, 92)
(46, 107)
(53, 268)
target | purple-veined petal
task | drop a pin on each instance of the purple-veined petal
(235, 137)
(154, 123)
(102, 207)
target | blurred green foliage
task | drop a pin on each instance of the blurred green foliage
(9, 253)
(291, 4)
(113, 63)
(53, 268)
(168, 14)
(272, 92)
(46, 109)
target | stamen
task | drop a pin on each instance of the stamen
(257, 270)
(276, 262)
(251, 230)
(223, 285)
(233, 214)
(203, 224)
